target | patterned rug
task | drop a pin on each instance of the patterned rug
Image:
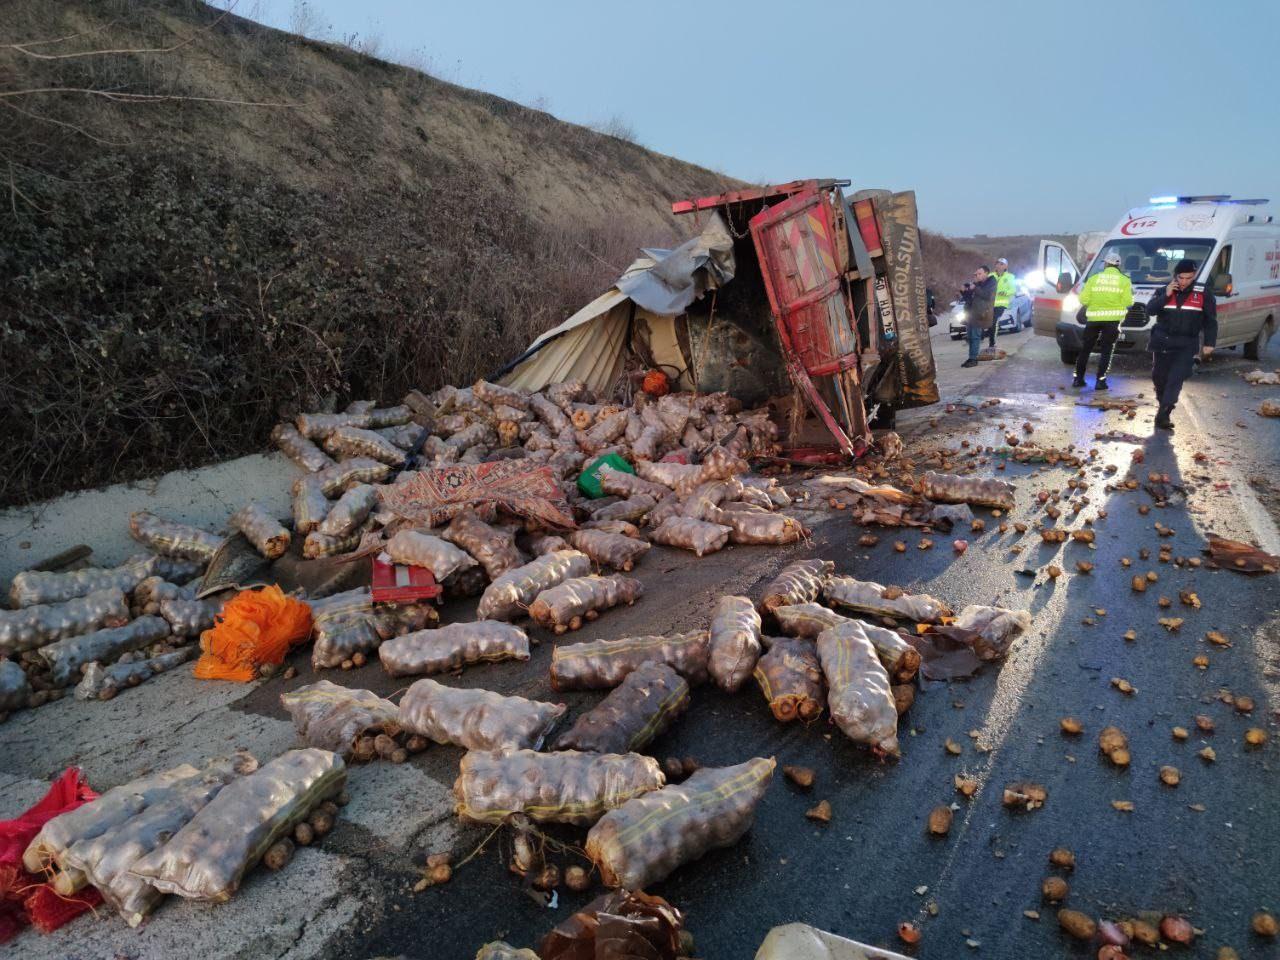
(433, 497)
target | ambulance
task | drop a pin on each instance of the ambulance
(1235, 245)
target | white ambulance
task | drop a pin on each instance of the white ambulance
(1235, 245)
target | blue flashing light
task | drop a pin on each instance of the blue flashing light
(1163, 201)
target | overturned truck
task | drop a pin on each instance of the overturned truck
(795, 295)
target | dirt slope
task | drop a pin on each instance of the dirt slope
(292, 222)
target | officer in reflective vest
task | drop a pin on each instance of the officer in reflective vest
(1186, 324)
(1006, 288)
(1106, 298)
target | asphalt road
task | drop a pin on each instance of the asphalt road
(1206, 849)
(873, 865)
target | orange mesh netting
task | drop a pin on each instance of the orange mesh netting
(255, 627)
(656, 383)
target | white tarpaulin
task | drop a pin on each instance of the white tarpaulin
(593, 344)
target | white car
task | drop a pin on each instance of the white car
(955, 320)
(1017, 316)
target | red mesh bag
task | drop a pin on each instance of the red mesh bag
(23, 897)
(49, 911)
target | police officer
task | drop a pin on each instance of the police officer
(1184, 317)
(1006, 289)
(1105, 299)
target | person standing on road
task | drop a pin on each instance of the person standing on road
(979, 311)
(1186, 324)
(1105, 300)
(1006, 290)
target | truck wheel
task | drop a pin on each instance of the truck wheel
(1253, 349)
(1068, 356)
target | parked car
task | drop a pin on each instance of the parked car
(1017, 316)
(955, 320)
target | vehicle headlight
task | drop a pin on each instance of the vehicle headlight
(1071, 303)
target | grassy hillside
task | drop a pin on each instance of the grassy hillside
(236, 222)
(1020, 250)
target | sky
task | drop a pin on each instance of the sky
(1005, 118)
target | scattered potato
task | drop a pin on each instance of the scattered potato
(940, 820)
(801, 776)
(821, 813)
(1077, 924)
(1054, 889)
(1062, 858)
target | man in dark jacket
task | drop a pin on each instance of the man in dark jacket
(1186, 324)
(979, 311)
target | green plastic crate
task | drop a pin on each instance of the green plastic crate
(589, 478)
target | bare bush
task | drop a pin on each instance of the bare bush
(616, 126)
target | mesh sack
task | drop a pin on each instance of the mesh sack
(563, 606)
(806, 620)
(509, 596)
(65, 657)
(601, 664)
(565, 787)
(495, 549)
(207, 858)
(648, 838)
(332, 717)
(633, 508)
(735, 642)
(14, 686)
(790, 677)
(649, 699)
(452, 647)
(298, 448)
(609, 549)
(171, 539)
(190, 618)
(760, 528)
(103, 683)
(997, 626)
(105, 860)
(308, 505)
(35, 626)
(476, 719)
(335, 479)
(689, 534)
(317, 426)
(267, 534)
(416, 549)
(798, 582)
(947, 488)
(619, 483)
(351, 510)
(37, 587)
(865, 596)
(381, 417)
(859, 697)
(355, 442)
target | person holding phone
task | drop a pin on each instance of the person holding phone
(1186, 325)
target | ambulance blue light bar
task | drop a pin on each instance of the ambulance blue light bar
(1194, 198)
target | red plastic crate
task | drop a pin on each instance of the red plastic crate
(398, 583)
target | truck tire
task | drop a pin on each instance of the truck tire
(1253, 349)
(1068, 356)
